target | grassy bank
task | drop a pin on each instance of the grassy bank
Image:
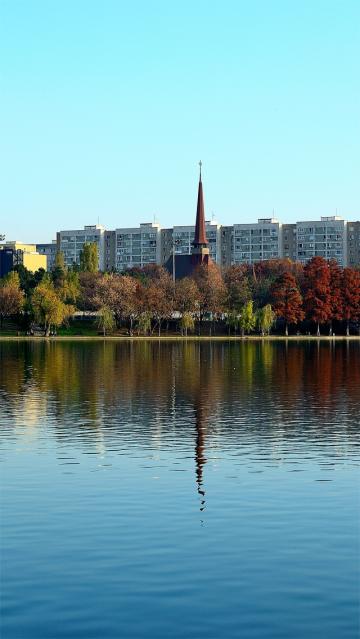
(87, 330)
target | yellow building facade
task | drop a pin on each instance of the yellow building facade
(27, 255)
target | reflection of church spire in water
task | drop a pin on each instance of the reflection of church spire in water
(200, 458)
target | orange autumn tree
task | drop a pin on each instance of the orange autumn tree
(336, 296)
(351, 296)
(286, 300)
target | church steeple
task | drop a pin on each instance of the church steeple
(200, 239)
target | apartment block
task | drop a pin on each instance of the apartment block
(137, 246)
(327, 238)
(256, 242)
(109, 250)
(353, 243)
(227, 240)
(71, 243)
(288, 249)
(50, 251)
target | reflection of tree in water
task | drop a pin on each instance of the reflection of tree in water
(107, 387)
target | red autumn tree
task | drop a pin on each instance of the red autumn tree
(351, 296)
(336, 277)
(286, 300)
(317, 293)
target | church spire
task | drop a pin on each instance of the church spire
(200, 238)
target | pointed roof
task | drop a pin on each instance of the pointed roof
(200, 230)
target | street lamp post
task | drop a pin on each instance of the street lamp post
(174, 244)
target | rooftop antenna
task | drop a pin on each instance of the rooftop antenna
(200, 165)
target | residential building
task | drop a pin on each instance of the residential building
(109, 250)
(288, 234)
(166, 244)
(50, 251)
(327, 238)
(353, 243)
(256, 242)
(330, 237)
(71, 243)
(138, 246)
(27, 255)
(227, 239)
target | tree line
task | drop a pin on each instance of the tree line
(241, 299)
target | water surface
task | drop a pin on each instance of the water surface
(184, 490)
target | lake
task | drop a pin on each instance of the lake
(180, 489)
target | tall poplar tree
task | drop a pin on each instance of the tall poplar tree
(89, 257)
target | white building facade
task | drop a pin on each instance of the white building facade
(137, 247)
(325, 238)
(256, 242)
(330, 237)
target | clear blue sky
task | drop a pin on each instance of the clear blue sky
(107, 107)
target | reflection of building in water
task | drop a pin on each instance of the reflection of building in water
(200, 458)
(195, 379)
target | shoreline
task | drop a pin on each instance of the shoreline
(177, 338)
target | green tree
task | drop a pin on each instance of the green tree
(247, 321)
(105, 320)
(187, 323)
(49, 310)
(265, 318)
(58, 271)
(89, 257)
(238, 290)
(29, 280)
(143, 323)
(70, 290)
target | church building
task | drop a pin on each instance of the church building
(180, 266)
